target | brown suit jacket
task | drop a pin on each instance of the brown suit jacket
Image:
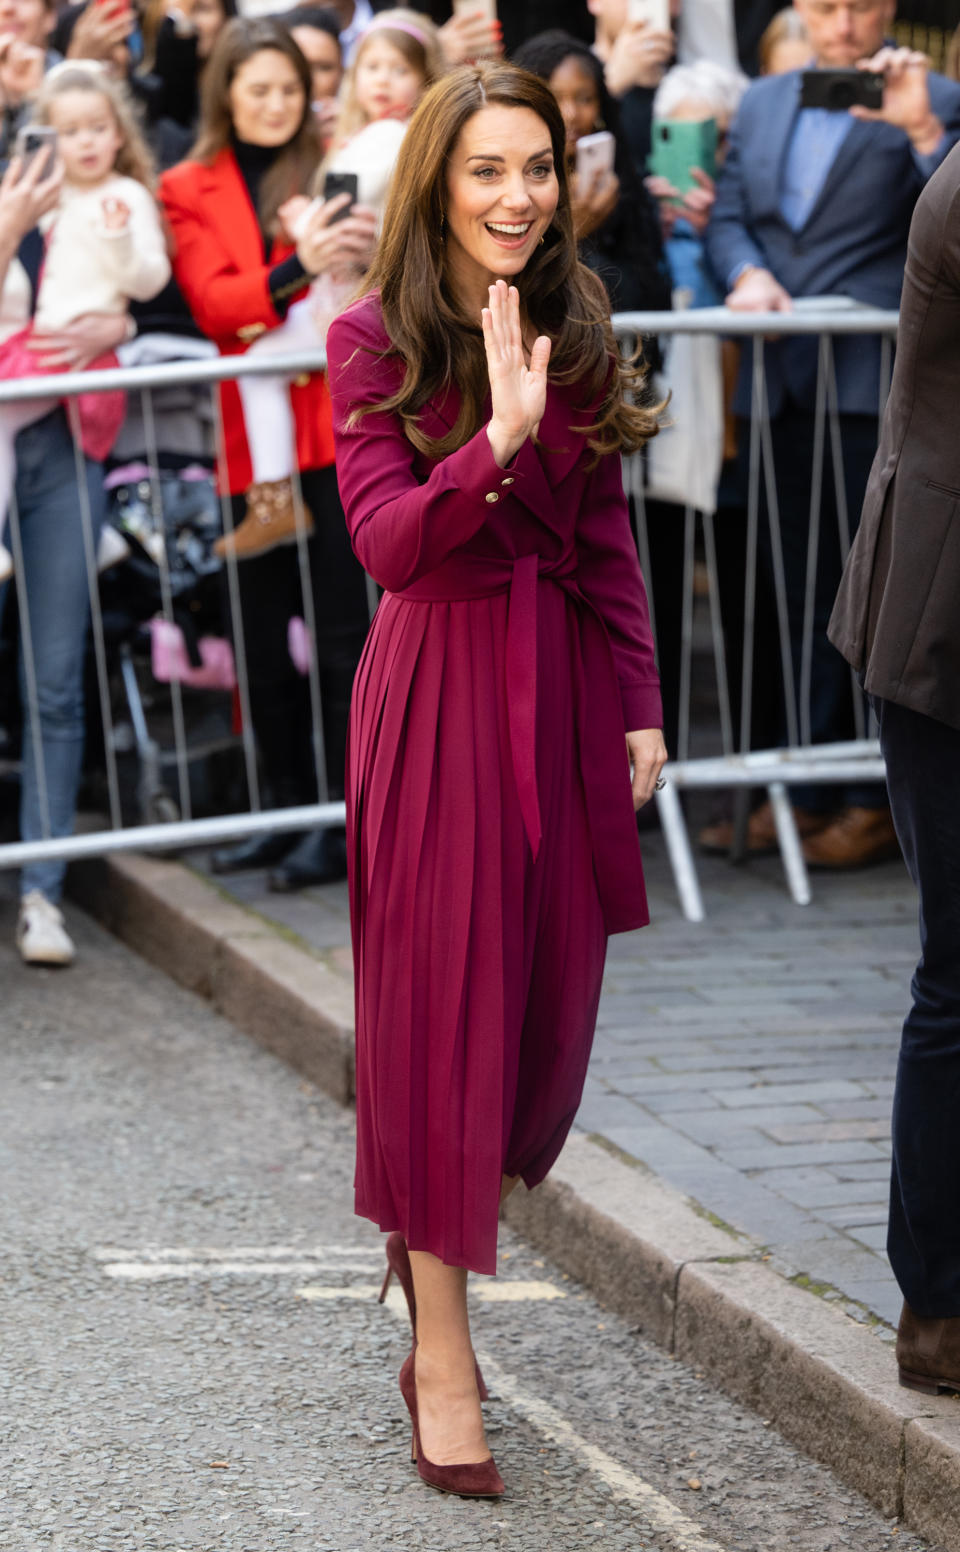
(897, 615)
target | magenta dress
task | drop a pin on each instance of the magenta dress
(491, 834)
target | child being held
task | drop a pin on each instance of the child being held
(104, 247)
(395, 60)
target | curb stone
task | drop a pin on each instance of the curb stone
(826, 1381)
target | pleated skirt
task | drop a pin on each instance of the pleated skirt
(478, 968)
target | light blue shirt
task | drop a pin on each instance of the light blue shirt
(817, 136)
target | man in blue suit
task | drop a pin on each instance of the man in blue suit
(814, 202)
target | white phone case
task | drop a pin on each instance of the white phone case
(654, 13)
(489, 7)
(595, 154)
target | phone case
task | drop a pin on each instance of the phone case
(488, 7)
(678, 146)
(839, 90)
(595, 153)
(655, 14)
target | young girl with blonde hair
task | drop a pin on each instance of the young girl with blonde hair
(396, 59)
(104, 248)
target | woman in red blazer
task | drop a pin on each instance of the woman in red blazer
(507, 685)
(258, 147)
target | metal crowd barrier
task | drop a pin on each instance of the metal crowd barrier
(733, 764)
(729, 762)
(178, 826)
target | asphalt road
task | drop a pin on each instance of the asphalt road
(192, 1352)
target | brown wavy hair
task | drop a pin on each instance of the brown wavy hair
(560, 296)
(297, 161)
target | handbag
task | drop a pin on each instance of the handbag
(685, 458)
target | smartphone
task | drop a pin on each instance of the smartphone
(36, 140)
(488, 7)
(654, 14)
(677, 146)
(595, 156)
(839, 90)
(341, 183)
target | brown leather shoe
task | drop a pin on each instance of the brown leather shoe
(857, 837)
(928, 1352)
(761, 830)
(271, 519)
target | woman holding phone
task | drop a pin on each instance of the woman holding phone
(239, 271)
(507, 688)
(614, 218)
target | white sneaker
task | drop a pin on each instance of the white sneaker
(41, 936)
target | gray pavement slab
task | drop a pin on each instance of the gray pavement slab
(781, 1023)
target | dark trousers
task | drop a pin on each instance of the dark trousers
(831, 690)
(923, 777)
(270, 596)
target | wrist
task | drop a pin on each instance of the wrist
(925, 135)
(504, 445)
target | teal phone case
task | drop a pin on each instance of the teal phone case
(677, 146)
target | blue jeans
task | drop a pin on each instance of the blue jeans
(923, 775)
(55, 572)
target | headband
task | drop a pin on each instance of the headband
(383, 24)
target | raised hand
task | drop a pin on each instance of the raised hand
(518, 392)
(116, 214)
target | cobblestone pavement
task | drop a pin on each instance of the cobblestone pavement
(748, 1060)
(194, 1361)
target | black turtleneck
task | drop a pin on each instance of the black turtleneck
(287, 277)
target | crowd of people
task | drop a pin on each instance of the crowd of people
(181, 187)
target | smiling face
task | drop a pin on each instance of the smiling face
(267, 100)
(88, 136)
(502, 193)
(576, 92)
(386, 84)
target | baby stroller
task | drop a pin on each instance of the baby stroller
(171, 740)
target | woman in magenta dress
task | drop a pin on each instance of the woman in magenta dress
(507, 689)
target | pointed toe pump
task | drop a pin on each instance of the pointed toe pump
(473, 1479)
(398, 1262)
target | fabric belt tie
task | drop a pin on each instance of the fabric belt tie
(599, 714)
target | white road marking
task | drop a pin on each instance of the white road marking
(660, 1513)
(481, 1293)
(321, 1253)
(153, 1264)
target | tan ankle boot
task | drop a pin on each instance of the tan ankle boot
(271, 519)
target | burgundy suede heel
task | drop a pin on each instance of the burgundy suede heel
(475, 1479)
(398, 1261)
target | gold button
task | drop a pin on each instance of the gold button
(251, 331)
(508, 480)
(492, 496)
(302, 380)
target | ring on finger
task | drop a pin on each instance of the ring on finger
(660, 783)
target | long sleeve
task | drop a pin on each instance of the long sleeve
(729, 240)
(401, 530)
(222, 297)
(610, 577)
(137, 255)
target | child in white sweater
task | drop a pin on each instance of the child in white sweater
(394, 62)
(104, 247)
